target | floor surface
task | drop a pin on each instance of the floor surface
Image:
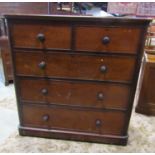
(8, 123)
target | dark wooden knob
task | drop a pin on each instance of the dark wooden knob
(98, 123)
(41, 37)
(42, 65)
(45, 118)
(100, 96)
(103, 68)
(105, 40)
(44, 91)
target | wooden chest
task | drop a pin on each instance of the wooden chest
(75, 77)
(146, 97)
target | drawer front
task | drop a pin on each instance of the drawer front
(41, 36)
(71, 119)
(83, 94)
(29, 64)
(87, 67)
(116, 40)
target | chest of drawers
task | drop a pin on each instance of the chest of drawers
(75, 77)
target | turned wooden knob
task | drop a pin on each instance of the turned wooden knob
(45, 118)
(41, 37)
(98, 123)
(42, 65)
(103, 68)
(100, 96)
(44, 91)
(105, 40)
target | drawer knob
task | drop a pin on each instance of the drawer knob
(42, 65)
(105, 40)
(45, 118)
(100, 96)
(41, 37)
(98, 123)
(44, 91)
(103, 68)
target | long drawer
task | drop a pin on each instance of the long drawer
(70, 119)
(75, 66)
(108, 39)
(74, 93)
(41, 35)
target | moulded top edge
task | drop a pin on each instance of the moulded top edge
(77, 18)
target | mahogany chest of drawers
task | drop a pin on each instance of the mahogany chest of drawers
(75, 77)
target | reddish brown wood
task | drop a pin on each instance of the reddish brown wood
(59, 91)
(76, 120)
(15, 7)
(76, 66)
(6, 59)
(56, 36)
(90, 38)
(73, 135)
(146, 98)
(75, 93)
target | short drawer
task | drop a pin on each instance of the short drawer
(108, 39)
(39, 35)
(76, 66)
(28, 63)
(74, 93)
(72, 119)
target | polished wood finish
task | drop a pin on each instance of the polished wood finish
(52, 34)
(95, 122)
(116, 39)
(74, 93)
(6, 60)
(32, 8)
(70, 86)
(75, 66)
(15, 7)
(146, 98)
